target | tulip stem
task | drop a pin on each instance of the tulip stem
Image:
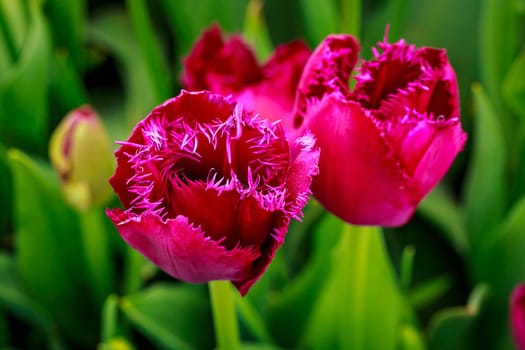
(224, 317)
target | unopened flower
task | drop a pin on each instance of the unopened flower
(80, 151)
(230, 67)
(517, 316)
(210, 189)
(388, 142)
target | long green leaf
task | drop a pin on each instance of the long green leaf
(514, 86)
(360, 299)
(320, 21)
(162, 311)
(485, 188)
(49, 252)
(149, 48)
(498, 44)
(68, 24)
(440, 209)
(112, 31)
(23, 88)
(454, 328)
(505, 246)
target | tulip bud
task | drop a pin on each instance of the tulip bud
(81, 153)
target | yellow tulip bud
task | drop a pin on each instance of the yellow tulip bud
(81, 153)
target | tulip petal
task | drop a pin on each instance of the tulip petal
(181, 249)
(273, 97)
(327, 71)
(363, 183)
(218, 65)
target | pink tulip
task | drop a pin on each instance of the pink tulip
(210, 189)
(388, 142)
(230, 67)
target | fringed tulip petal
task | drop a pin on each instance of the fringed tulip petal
(388, 142)
(209, 189)
(229, 67)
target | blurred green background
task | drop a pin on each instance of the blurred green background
(67, 281)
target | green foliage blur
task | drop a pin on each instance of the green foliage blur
(67, 281)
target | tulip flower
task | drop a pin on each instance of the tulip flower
(517, 316)
(230, 67)
(388, 142)
(80, 151)
(209, 189)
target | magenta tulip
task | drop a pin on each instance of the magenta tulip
(209, 189)
(388, 142)
(230, 67)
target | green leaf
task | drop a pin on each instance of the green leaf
(407, 265)
(498, 43)
(288, 312)
(110, 318)
(320, 21)
(13, 28)
(95, 239)
(429, 291)
(23, 89)
(112, 31)
(252, 319)
(6, 192)
(514, 86)
(149, 49)
(187, 27)
(361, 297)
(68, 22)
(49, 252)
(453, 328)
(505, 246)
(13, 299)
(172, 316)
(440, 209)
(485, 188)
(255, 31)
(66, 87)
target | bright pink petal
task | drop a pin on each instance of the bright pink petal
(326, 72)
(360, 181)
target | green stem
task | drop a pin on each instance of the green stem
(354, 245)
(351, 17)
(224, 317)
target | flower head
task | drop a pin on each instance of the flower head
(517, 316)
(210, 189)
(388, 142)
(230, 67)
(81, 153)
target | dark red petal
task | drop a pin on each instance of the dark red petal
(359, 179)
(220, 66)
(182, 250)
